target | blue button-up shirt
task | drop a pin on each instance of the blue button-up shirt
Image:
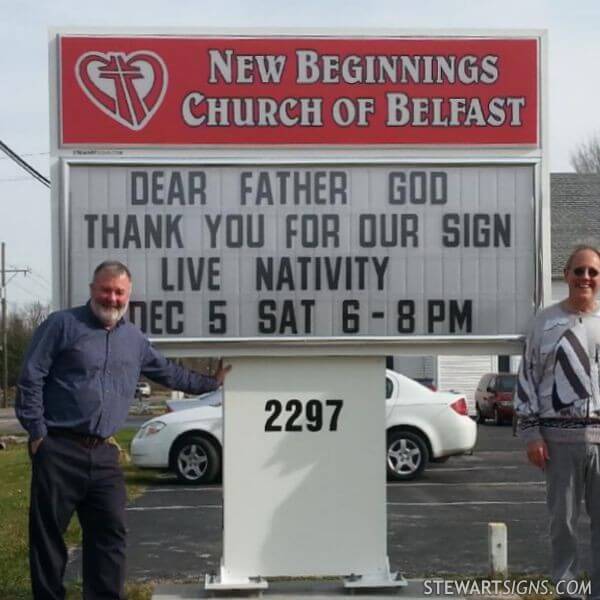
(81, 376)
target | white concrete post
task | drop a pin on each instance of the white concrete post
(498, 549)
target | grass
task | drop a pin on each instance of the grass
(14, 500)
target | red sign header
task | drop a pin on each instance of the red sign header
(190, 91)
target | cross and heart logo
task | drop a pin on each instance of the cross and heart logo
(129, 88)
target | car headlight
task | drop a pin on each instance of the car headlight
(151, 428)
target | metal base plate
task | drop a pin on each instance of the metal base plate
(216, 583)
(395, 580)
(378, 580)
(385, 579)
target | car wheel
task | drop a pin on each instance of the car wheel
(497, 417)
(196, 460)
(479, 418)
(407, 455)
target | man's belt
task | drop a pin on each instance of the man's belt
(569, 422)
(84, 439)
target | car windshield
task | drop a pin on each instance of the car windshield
(506, 383)
(389, 388)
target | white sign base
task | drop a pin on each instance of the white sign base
(304, 472)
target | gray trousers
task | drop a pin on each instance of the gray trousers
(573, 474)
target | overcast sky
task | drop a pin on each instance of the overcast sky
(574, 84)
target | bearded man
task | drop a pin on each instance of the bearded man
(78, 379)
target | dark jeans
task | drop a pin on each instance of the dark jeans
(67, 477)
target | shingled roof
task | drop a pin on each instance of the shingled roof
(575, 214)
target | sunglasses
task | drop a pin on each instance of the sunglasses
(581, 271)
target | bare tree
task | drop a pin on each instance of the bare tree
(21, 325)
(586, 156)
(34, 313)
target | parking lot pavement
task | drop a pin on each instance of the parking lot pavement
(436, 525)
(439, 524)
(185, 536)
(8, 422)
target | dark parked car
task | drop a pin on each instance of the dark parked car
(494, 397)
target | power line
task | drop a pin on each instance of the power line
(39, 276)
(7, 179)
(28, 154)
(39, 280)
(36, 283)
(34, 277)
(24, 164)
(35, 295)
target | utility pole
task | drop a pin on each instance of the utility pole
(4, 338)
(3, 272)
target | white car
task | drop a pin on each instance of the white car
(143, 389)
(208, 399)
(421, 425)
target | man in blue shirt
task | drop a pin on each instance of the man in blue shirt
(76, 384)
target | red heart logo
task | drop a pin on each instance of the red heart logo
(127, 87)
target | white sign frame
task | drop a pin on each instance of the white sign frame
(62, 159)
(231, 346)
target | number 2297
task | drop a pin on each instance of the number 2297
(316, 415)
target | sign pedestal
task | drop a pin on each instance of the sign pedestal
(304, 472)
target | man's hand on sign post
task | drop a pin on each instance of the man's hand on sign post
(537, 453)
(222, 372)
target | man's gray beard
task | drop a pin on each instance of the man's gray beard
(108, 316)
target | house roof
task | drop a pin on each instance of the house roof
(575, 215)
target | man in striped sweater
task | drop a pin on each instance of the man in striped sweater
(558, 404)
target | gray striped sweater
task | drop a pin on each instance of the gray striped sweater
(558, 391)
